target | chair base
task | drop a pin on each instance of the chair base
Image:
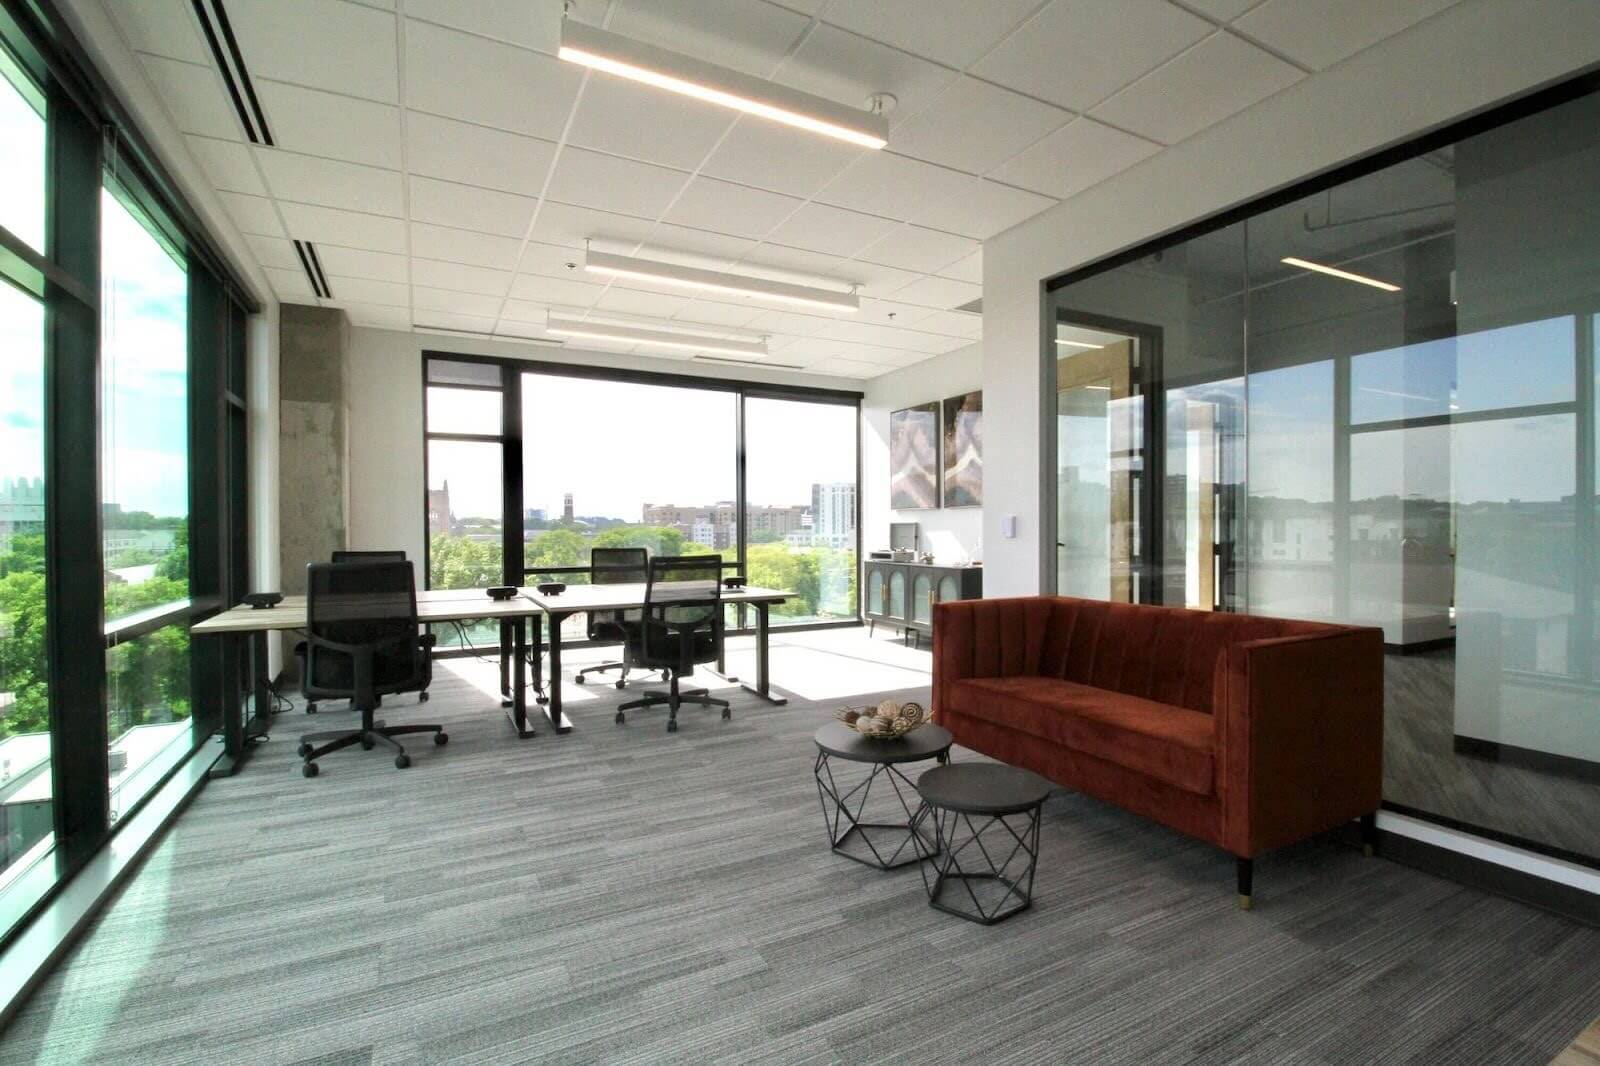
(314, 746)
(673, 699)
(600, 668)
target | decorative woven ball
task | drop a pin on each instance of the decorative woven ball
(885, 721)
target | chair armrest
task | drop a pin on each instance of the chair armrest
(427, 640)
(1299, 735)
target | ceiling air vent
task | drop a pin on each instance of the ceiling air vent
(214, 22)
(747, 362)
(313, 267)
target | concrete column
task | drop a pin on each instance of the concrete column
(313, 453)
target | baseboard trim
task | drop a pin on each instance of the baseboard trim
(1551, 884)
(51, 932)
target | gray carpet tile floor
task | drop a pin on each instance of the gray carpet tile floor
(622, 895)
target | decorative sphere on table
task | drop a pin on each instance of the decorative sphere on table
(886, 721)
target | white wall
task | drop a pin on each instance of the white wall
(384, 370)
(953, 534)
(1463, 60)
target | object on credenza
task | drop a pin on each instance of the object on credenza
(963, 450)
(904, 535)
(914, 457)
(502, 592)
(260, 600)
(886, 721)
(552, 588)
(734, 581)
(926, 558)
(881, 553)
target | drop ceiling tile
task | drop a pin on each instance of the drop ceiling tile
(887, 185)
(854, 369)
(1080, 154)
(1319, 33)
(508, 327)
(563, 292)
(551, 261)
(570, 226)
(782, 263)
(883, 336)
(890, 313)
(426, 298)
(361, 263)
(1217, 78)
(788, 323)
(314, 122)
(727, 208)
(953, 324)
(163, 28)
(366, 290)
(195, 98)
(310, 179)
(772, 156)
(227, 164)
(344, 48)
(459, 277)
(942, 293)
(252, 214)
(972, 124)
(274, 251)
(873, 279)
(921, 250)
(954, 32)
(518, 22)
(477, 80)
(841, 66)
(625, 118)
(450, 321)
(1075, 53)
(290, 284)
(831, 230)
(328, 225)
(1223, 10)
(977, 208)
(745, 35)
(636, 302)
(373, 316)
(968, 269)
(694, 247)
(609, 183)
(711, 313)
(468, 207)
(464, 246)
(476, 155)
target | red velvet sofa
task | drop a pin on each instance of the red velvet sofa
(1247, 732)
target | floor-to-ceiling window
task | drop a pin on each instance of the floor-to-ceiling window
(1379, 408)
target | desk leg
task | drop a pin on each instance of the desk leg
(558, 719)
(238, 732)
(519, 679)
(763, 630)
(505, 663)
(536, 650)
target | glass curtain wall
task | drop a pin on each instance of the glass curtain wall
(1374, 405)
(463, 423)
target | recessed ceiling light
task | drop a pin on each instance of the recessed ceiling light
(678, 73)
(1335, 272)
(627, 266)
(1077, 344)
(562, 326)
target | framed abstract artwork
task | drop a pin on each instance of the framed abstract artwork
(914, 457)
(963, 450)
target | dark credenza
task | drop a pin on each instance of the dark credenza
(903, 594)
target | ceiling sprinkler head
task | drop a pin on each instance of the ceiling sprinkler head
(882, 103)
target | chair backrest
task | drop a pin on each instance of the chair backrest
(369, 556)
(366, 605)
(683, 608)
(614, 566)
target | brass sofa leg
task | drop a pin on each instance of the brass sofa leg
(1369, 833)
(1246, 874)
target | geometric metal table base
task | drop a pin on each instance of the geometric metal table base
(966, 880)
(898, 843)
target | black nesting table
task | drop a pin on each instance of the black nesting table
(898, 843)
(985, 829)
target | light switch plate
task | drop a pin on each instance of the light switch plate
(1008, 526)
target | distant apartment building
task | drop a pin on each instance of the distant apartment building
(833, 514)
(21, 508)
(566, 506)
(440, 520)
(716, 525)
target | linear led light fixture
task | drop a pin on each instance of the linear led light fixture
(1335, 272)
(627, 266)
(562, 326)
(1077, 344)
(683, 74)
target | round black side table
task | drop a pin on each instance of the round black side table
(978, 802)
(843, 811)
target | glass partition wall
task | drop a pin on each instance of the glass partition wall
(547, 462)
(1373, 404)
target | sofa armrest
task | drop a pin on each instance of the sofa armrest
(1299, 736)
(986, 638)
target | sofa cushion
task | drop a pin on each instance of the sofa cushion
(1172, 744)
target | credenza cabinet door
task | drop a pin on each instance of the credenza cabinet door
(897, 594)
(949, 588)
(875, 590)
(922, 599)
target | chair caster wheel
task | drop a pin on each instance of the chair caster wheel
(311, 708)
(402, 761)
(727, 714)
(622, 684)
(580, 680)
(621, 719)
(303, 750)
(309, 769)
(368, 745)
(672, 727)
(441, 739)
(422, 697)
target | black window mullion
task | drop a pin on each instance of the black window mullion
(75, 602)
(511, 475)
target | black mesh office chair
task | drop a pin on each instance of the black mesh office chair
(613, 566)
(362, 643)
(681, 626)
(360, 557)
